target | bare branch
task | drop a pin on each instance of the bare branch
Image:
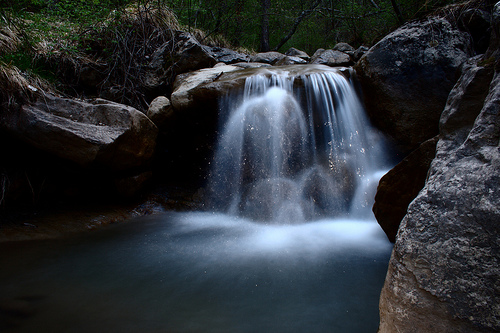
(298, 20)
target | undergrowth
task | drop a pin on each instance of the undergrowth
(55, 42)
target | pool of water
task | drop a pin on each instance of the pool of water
(198, 272)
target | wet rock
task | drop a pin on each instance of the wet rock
(251, 65)
(407, 76)
(190, 90)
(398, 188)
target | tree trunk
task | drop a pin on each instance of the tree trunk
(264, 29)
(397, 11)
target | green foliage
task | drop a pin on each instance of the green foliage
(353, 21)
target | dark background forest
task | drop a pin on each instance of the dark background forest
(261, 25)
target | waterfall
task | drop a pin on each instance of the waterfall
(294, 149)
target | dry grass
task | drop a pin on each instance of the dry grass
(123, 42)
(18, 87)
(9, 41)
(454, 12)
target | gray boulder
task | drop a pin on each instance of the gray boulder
(226, 56)
(444, 269)
(293, 52)
(100, 132)
(271, 57)
(201, 88)
(290, 60)
(331, 58)
(344, 47)
(407, 76)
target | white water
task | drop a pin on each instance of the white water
(295, 149)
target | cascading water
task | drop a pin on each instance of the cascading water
(293, 148)
(296, 149)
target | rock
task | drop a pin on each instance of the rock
(200, 90)
(226, 56)
(102, 132)
(189, 54)
(478, 23)
(180, 55)
(331, 58)
(468, 97)
(290, 60)
(360, 52)
(129, 186)
(398, 188)
(293, 52)
(344, 47)
(444, 269)
(160, 111)
(407, 76)
(251, 65)
(92, 76)
(271, 57)
(190, 89)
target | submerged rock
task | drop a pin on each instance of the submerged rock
(407, 76)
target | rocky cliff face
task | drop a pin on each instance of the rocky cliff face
(444, 269)
(443, 274)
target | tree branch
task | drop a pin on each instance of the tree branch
(298, 20)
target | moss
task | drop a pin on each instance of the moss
(487, 62)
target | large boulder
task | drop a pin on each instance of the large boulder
(407, 76)
(444, 269)
(99, 132)
(201, 88)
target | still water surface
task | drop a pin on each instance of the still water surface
(198, 272)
